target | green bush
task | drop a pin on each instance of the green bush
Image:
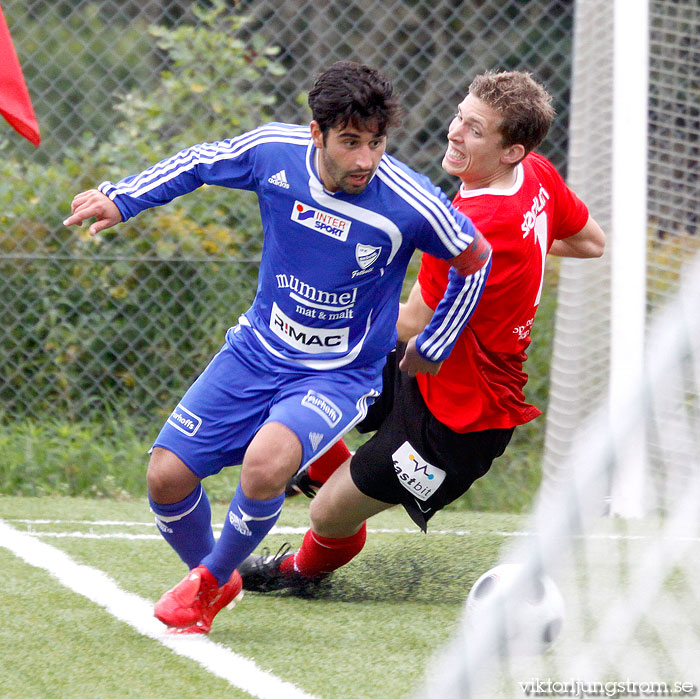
(128, 318)
(105, 458)
(71, 60)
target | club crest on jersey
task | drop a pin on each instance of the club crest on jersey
(325, 407)
(415, 474)
(305, 338)
(321, 221)
(366, 255)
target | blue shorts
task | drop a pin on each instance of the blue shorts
(242, 389)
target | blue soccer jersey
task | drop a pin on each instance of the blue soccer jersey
(333, 264)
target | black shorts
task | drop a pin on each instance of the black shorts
(413, 459)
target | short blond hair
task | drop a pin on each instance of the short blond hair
(524, 104)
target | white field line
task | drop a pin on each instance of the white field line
(288, 530)
(137, 612)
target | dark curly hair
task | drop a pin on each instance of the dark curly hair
(353, 93)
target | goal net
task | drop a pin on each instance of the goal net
(639, 172)
(623, 437)
(630, 624)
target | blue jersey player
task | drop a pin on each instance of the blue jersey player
(341, 220)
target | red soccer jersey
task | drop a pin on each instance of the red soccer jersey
(480, 385)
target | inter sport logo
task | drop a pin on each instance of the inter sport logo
(321, 221)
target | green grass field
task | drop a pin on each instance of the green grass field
(80, 576)
(371, 631)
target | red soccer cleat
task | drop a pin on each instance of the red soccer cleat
(190, 607)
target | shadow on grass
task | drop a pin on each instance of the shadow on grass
(403, 574)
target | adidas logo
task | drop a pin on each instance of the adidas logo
(163, 527)
(280, 179)
(239, 524)
(315, 439)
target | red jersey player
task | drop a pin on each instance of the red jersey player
(437, 432)
(481, 386)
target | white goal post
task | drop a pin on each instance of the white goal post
(628, 242)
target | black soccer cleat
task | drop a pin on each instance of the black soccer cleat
(263, 574)
(301, 483)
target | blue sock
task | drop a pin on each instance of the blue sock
(247, 523)
(186, 526)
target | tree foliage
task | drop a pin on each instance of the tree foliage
(146, 303)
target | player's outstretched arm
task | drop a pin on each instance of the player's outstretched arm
(413, 363)
(414, 315)
(451, 315)
(93, 203)
(588, 242)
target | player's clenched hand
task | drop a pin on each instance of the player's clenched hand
(93, 204)
(412, 363)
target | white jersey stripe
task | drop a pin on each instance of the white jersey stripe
(457, 327)
(464, 313)
(187, 159)
(421, 193)
(232, 145)
(473, 295)
(448, 224)
(441, 231)
(453, 322)
(430, 346)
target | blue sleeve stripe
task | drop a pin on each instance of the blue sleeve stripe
(437, 345)
(440, 217)
(205, 153)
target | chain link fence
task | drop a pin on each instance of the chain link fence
(121, 324)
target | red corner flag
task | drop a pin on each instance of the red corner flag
(15, 104)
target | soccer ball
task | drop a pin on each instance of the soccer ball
(525, 613)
